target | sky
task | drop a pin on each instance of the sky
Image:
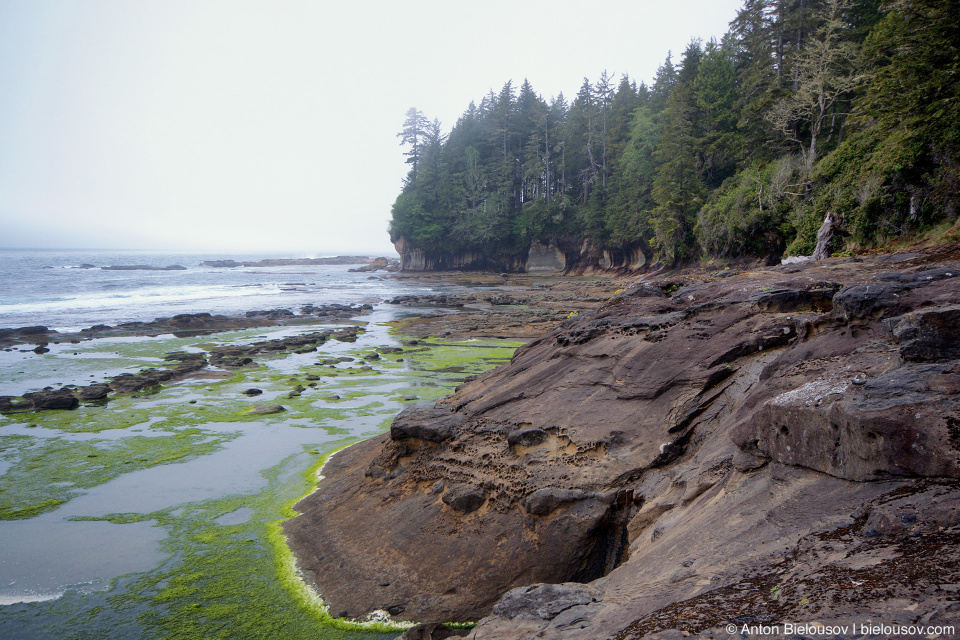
(266, 127)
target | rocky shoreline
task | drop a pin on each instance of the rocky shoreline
(739, 447)
(507, 308)
(179, 365)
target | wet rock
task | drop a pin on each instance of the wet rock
(13, 404)
(271, 314)
(94, 392)
(50, 400)
(33, 330)
(252, 392)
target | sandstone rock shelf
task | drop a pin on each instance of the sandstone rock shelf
(771, 444)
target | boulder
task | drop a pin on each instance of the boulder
(94, 392)
(868, 301)
(464, 498)
(929, 335)
(527, 437)
(51, 400)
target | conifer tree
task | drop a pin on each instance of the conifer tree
(412, 134)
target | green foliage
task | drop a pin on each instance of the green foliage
(749, 214)
(849, 106)
(628, 214)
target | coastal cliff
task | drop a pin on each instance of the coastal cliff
(551, 256)
(705, 449)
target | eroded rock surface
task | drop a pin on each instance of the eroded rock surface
(778, 444)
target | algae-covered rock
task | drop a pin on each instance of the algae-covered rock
(265, 409)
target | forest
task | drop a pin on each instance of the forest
(737, 148)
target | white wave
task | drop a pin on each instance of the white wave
(27, 597)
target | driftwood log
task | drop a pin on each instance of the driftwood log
(825, 235)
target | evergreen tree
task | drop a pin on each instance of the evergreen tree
(678, 188)
(663, 84)
(412, 133)
(806, 106)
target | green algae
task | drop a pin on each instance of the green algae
(48, 472)
(229, 580)
(225, 581)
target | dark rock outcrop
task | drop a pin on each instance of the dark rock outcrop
(94, 392)
(186, 325)
(59, 399)
(750, 435)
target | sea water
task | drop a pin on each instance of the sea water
(158, 516)
(69, 290)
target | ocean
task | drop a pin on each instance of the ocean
(54, 289)
(157, 514)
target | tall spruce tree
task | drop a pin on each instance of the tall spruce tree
(414, 127)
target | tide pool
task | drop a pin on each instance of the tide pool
(158, 515)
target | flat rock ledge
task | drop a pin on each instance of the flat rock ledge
(755, 447)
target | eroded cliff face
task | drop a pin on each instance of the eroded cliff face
(551, 257)
(780, 444)
(414, 258)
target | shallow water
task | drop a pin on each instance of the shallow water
(44, 556)
(137, 514)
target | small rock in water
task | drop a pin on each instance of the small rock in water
(252, 392)
(264, 409)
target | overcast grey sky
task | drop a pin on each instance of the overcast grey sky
(271, 126)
